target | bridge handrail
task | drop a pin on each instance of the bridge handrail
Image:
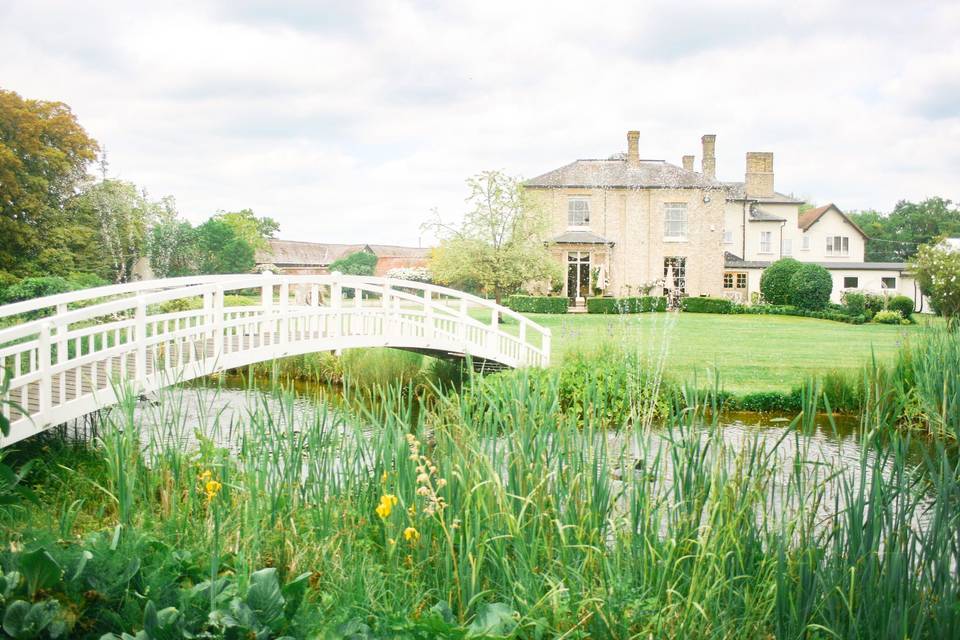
(173, 288)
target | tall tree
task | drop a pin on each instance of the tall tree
(122, 215)
(896, 237)
(500, 243)
(44, 155)
(221, 250)
(171, 243)
(255, 231)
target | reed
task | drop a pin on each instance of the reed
(502, 508)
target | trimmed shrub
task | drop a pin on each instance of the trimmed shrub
(810, 287)
(789, 310)
(775, 281)
(903, 304)
(707, 305)
(855, 302)
(536, 304)
(888, 317)
(638, 304)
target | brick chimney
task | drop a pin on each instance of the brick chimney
(633, 148)
(709, 142)
(688, 163)
(758, 181)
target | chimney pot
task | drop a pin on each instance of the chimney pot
(758, 180)
(633, 148)
(688, 163)
(709, 142)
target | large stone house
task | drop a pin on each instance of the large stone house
(624, 224)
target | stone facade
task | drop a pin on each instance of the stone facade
(632, 222)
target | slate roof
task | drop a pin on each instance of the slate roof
(616, 173)
(737, 191)
(580, 237)
(809, 217)
(732, 261)
(759, 215)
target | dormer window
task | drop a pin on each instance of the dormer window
(578, 212)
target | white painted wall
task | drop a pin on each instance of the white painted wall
(831, 223)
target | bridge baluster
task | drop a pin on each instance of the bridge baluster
(43, 356)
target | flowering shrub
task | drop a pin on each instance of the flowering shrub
(414, 274)
(937, 270)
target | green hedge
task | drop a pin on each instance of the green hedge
(787, 310)
(707, 305)
(641, 304)
(537, 304)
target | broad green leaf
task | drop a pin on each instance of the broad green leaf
(24, 621)
(264, 597)
(165, 624)
(293, 593)
(495, 619)
(443, 610)
(40, 570)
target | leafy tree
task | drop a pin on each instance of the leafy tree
(44, 155)
(937, 270)
(221, 250)
(172, 246)
(897, 236)
(775, 281)
(361, 263)
(123, 216)
(810, 287)
(500, 244)
(255, 231)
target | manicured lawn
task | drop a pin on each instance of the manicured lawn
(751, 353)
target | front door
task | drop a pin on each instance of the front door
(578, 274)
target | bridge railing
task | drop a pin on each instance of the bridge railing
(63, 350)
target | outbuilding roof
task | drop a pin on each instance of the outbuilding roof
(732, 261)
(321, 254)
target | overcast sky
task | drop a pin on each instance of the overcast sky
(349, 121)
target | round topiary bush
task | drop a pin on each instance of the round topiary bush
(903, 304)
(775, 281)
(810, 287)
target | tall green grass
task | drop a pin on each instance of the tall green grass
(417, 515)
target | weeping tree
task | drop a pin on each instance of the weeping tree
(499, 246)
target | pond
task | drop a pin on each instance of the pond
(232, 413)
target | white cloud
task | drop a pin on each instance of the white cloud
(350, 121)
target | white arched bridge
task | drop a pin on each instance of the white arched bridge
(67, 355)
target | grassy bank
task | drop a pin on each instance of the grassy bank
(751, 353)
